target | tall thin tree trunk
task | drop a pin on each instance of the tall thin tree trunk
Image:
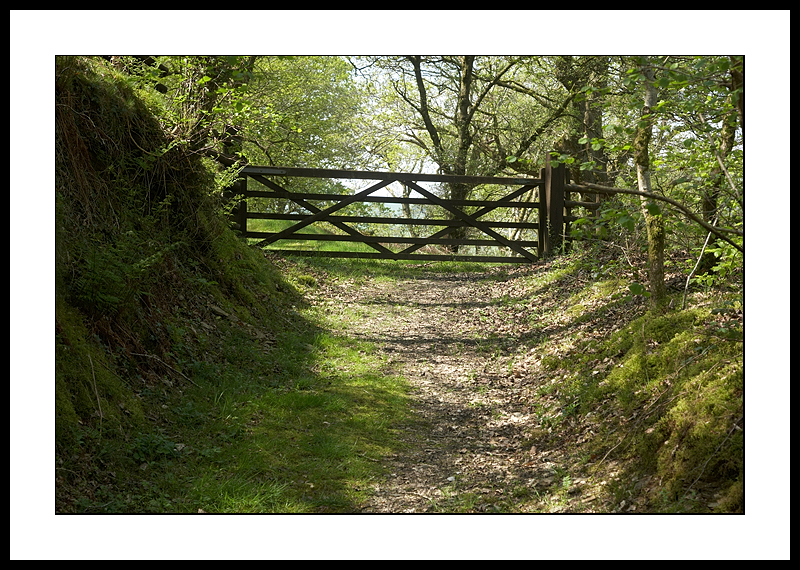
(587, 110)
(407, 211)
(656, 238)
(737, 84)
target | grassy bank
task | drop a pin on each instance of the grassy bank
(256, 407)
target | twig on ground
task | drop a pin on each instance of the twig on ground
(414, 493)
(167, 365)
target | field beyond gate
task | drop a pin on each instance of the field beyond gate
(316, 207)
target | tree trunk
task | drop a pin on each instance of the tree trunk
(593, 129)
(407, 211)
(737, 83)
(726, 144)
(453, 158)
(461, 191)
(656, 238)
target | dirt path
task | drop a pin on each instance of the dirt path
(476, 445)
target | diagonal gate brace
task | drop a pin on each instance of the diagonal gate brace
(474, 223)
(483, 211)
(321, 215)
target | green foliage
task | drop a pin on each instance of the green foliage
(653, 208)
(301, 111)
(135, 224)
(638, 289)
(729, 263)
(206, 96)
(558, 158)
(611, 217)
(678, 382)
(88, 393)
(153, 447)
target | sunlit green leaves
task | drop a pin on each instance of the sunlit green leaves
(631, 77)
(610, 221)
(596, 143)
(302, 110)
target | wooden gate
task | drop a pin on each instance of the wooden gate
(549, 226)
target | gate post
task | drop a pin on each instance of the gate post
(554, 192)
(239, 213)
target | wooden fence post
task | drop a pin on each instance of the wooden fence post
(239, 213)
(541, 236)
(554, 192)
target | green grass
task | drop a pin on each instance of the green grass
(314, 229)
(376, 269)
(311, 444)
(163, 407)
(300, 425)
(294, 425)
(302, 438)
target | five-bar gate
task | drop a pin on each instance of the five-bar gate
(549, 226)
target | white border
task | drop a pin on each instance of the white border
(763, 533)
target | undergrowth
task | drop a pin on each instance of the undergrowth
(664, 396)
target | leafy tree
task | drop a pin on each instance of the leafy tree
(682, 147)
(710, 109)
(488, 115)
(205, 95)
(302, 111)
(453, 110)
(583, 138)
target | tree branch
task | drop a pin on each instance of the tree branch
(423, 111)
(719, 232)
(489, 86)
(524, 145)
(514, 86)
